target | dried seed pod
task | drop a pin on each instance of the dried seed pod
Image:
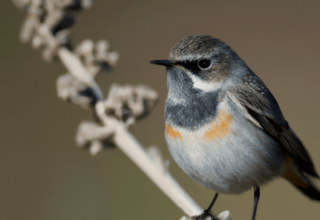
(129, 102)
(75, 5)
(72, 90)
(65, 22)
(93, 136)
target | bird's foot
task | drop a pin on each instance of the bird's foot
(206, 215)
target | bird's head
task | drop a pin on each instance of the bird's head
(199, 64)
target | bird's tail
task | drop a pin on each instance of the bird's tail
(311, 190)
(300, 181)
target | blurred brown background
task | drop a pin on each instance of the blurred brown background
(45, 177)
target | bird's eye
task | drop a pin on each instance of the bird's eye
(204, 64)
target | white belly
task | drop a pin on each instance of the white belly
(225, 156)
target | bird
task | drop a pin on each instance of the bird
(223, 126)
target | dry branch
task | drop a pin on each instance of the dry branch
(47, 26)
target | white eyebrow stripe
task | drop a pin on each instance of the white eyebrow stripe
(192, 57)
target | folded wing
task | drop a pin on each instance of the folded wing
(254, 96)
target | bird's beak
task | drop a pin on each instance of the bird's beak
(164, 62)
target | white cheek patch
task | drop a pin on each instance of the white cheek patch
(203, 85)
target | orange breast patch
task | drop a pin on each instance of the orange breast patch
(172, 133)
(219, 127)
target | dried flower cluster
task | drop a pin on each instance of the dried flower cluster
(81, 89)
(127, 104)
(48, 26)
(48, 22)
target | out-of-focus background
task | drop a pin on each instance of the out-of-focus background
(45, 177)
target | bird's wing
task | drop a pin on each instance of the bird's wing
(254, 96)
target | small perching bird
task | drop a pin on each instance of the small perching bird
(224, 128)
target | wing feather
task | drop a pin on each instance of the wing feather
(254, 96)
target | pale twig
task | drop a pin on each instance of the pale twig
(162, 178)
(74, 66)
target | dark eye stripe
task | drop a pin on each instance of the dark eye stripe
(190, 65)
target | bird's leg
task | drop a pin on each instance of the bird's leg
(256, 200)
(212, 203)
(206, 212)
